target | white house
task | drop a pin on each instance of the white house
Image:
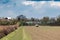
(9, 18)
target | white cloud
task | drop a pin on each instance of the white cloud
(55, 4)
(40, 4)
(34, 4)
(28, 3)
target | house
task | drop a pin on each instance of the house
(8, 18)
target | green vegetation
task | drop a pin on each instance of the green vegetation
(16, 35)
(26, 35)
(19, 34)
(43, 21)
(8, 22)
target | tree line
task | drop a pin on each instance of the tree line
(43, 21)
(23, 20)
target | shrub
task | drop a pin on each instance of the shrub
(22, 23)
(2, 35)
(6, 22)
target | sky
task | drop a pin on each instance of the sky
(29, 8)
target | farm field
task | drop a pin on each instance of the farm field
(44, 32)
(34, 33)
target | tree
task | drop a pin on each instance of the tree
(21, 18)
(58, 19)
(44, 20)
(52, 20)
(32, 19)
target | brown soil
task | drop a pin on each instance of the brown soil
(44, 33)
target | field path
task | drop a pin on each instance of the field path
(25, 35)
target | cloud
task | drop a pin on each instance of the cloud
(55, 4)
(28, 3)
(42, 4)
(34, 4)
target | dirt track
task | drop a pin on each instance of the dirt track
(44, 33)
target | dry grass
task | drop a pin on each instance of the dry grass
(5, 30)
(44, 32)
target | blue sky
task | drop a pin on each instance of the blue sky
(37, 9)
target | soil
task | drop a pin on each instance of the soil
(40, 33)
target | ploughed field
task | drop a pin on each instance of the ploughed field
(44, 32)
